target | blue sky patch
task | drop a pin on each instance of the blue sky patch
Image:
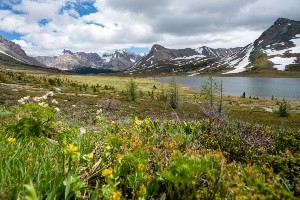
(11, 36)
(83, 8)
(44, 22)
(138, 49)
(8, 5)
(98, 24)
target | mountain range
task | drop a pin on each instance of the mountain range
(278, 48)
(115, 60)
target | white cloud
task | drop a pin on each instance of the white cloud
(126, 23)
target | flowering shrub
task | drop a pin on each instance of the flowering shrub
(33, 118)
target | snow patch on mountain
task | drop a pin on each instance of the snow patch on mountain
(240, 65)
(281, 63)
(11, 56)
(273, 52)
(296, 48)
(199, 50)
(190, 57)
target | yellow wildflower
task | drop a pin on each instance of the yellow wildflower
(137, 121)
(141, 167)
(112, 122)
(147, 121)
(11, 139)
(119, 158)
(116, 195)
(88, 156)
(108, 148)
(107, 172)
(73, 148)
(143, 190)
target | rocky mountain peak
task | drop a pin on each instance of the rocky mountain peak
(66, 51)
(281, 32)
(157, 47)
(284, 21)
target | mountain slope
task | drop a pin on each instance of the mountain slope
(10, 51)
(188, 61)
(278, 48)
(219, 52)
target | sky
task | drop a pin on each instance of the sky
(47, 27)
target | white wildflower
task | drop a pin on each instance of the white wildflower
(43, 104)
(57, 109)
(98, 112)
(54, 101)
(82, 130)
(36, 99)
(26, 98)
(73, 106)
(21, 101)
(50, 94)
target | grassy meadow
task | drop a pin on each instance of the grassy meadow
(81, 137)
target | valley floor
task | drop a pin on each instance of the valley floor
(79, 137)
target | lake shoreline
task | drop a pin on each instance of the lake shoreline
(280, 88)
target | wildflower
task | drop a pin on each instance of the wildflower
(50, 94)
(119, 158)
(116, 195)
(112, 122)
(57, 109)
(21, 101)
(11, 139)
(136, 120)
(82, 130)
(73, 148)
(143, 190)
(147, 121)
(107, 172)
(98, 112)
(36, 99)
(54, 101)
(141, 167)
(43, 104)
(24, 99)
(88, 156)
(108, 148)
(73, 106)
